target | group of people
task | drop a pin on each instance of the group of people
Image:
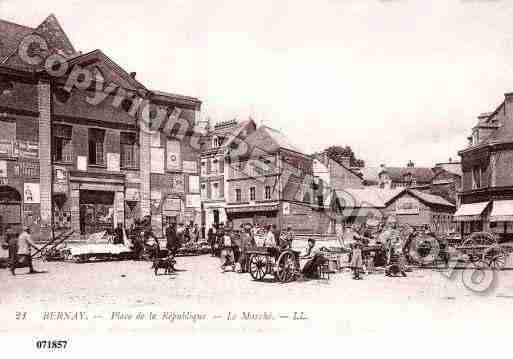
(232, 245)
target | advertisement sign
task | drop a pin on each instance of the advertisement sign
(132, 194)
(82, 163)
(174, 161)
(172, 204)
(178, 183)
(193, 201)
(3, 169)
(157, 160)
(190, 166)
(60, 180)
(194, 184)
(31, 193)
(155, 198)
(113, 162)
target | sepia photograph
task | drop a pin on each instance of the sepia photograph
(337, 168)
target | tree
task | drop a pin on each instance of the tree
(339, 154)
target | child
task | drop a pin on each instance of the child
(356, 260)
(370, 263)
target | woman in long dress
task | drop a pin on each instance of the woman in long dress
(356, 260)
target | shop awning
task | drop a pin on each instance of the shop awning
(502, 211)
(470, 212)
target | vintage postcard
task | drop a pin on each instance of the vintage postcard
(229, 167)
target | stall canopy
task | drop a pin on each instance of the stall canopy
(502, 211)
(470, 212)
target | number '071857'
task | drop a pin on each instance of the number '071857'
(51, 344)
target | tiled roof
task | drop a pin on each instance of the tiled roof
(430, 198)
(56, 39)
(281, 140)
(370, 174)
(10, 36)
(421, 174)
(366, 197)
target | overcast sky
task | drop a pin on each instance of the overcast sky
(396, 80)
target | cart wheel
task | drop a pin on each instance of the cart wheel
(496, 257)
(257, 266)
(286, 267)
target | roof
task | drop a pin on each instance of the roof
(451, 167)
(281, 140)
(370, 174)
(366, 197)
(237, 132)
(421, 174)
(10, 36)
(266, 140)
(430, 198)
(56, 39)
(470, 211)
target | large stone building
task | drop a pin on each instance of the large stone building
(270, 181)
(84, 145)
(216, 142)
(487, 164)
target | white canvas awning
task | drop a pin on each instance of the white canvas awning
(470, 212)
(502, 211)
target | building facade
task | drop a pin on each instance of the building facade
(216, 142)
(270, 181)
(405, 177)
(89, 156)
(487, 183)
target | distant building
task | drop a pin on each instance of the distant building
(407, 177)
(216, 144)
(446, 181)
(487, 164)
(271, 181)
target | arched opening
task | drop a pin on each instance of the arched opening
(10, 208)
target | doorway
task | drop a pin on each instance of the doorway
(96, 211)
(216, 217)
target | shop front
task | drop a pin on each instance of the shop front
(254, 214)
(501, 219)
(472, 217)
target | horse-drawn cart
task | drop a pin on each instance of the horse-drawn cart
(484, 247)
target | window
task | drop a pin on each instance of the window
(203, 168)
(129, 156)
(215, 165)
(267, 192)
(215, 190)
(252, 194)
(204, 193)
(96, 138)
(215, 141)
(238, 195)
(62, 148)
(476, 177)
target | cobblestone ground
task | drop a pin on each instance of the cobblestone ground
(426, 300)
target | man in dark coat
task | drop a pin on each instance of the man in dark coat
(172, 239)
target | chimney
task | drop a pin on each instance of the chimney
(133, 74)
(450, 159)
(410, 164)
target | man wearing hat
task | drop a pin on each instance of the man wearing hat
(20, 248)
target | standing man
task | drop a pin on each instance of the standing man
(212, 239)
(172, 239)
(20, 248)
(118, 233)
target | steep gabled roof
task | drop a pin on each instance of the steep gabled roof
(10, 36)
(56, 39)
(429, 199)
(281, 140)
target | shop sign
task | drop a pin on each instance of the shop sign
(172, 204)
(132, 194)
